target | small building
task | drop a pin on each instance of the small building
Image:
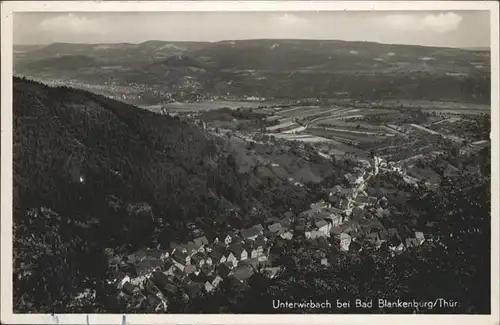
(323, 227)
(217, 255)
(130, 289)
(242, 273)
(374, 239)
(275, 227)
(419, 236)
(125, 279)
(162, 281)
(345, 242)
(230, 238)
(193, 290)
(190, 269)
(230, 258)
(251, 233)
(190, 248)
(198, 259)
(287, 235)
(314, 234)
(320, 205)
(239, 251)
(225, 269)
(411, 242)
(182, 258)
(200, 241)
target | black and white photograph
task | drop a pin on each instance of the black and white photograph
(334, 159)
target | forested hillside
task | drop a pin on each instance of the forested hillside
(90, 173)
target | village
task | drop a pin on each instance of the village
(347, 220)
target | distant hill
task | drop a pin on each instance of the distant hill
(481, 49)
(291, 69)
(65, 62)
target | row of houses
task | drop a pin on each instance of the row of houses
(234, 257)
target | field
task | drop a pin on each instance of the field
(209, 105)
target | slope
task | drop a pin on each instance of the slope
(90, 173)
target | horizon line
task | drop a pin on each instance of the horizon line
(478, 48)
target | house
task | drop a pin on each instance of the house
(144, 269)
(242, 273)
(201, 241)
(371, 225)
(335, 231)
(323, 227)
(383, 201)
(152, 254)
(130, 289)
(314, 234)
(324, 262)
(190, 269)
(125, 279)
(392, 232)
(289, 216)
(260, 245)
(345, 242)
(212, 283)
(395, 243)
(207, 269)
(137, 257)
(208, 286)
(252, 262)
(217, 255)
(287, 235)
(318, 206)
(170, 270)
(354, 179)
(229, 239)
(337, 189)
(230, 258)
(190, 248)
(358, 213)
(165, 255)
(355, 246)
(333, 218)
(334, 198)
(253, 253)
(411, 242)
(451, 171)
(239, 251)
(250, 233)
(381, 212)
(419, 236)
(173, 247)
(216, 281)
(193, 290)
(161, 281)
(198, 259)
(225, 269)
(271, 220)
(198, 277)
(275, 227)
(374, 239)
(344, 204)
(362, 201)
(259, 228)
(182, 258)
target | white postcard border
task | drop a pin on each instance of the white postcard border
(8, 8)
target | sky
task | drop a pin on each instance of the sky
(430, 28)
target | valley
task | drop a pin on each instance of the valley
(178, 177)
